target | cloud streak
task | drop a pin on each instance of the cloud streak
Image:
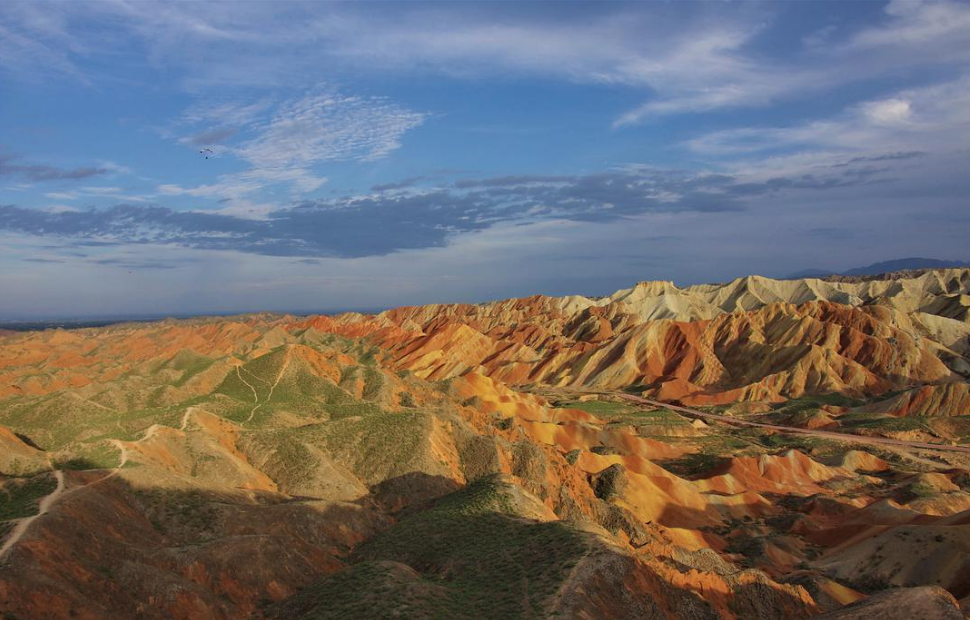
(866, 137)
(415, 217)
(696, 58)
(42, 173)
(210, 137)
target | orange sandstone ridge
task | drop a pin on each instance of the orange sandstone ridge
(703, 345)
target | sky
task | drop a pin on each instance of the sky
(180, 158)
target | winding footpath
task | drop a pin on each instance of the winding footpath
(800, 431)
(255, 394)
(185, 419)
(279, 376)
(23, 524)
(48, 501)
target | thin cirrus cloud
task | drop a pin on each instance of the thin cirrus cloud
(936, 117)
(699, 57)
(41, 173)
(911, 34)
(91, 192)
(324, 127)
(931, 27)
(282, 143)
(209, 137)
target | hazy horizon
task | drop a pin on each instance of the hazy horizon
(110, 318)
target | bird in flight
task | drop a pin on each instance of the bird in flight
(206, 152)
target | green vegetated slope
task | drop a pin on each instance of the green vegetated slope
(598, 407)
(473, 550)
(303, 424)
(658, 422)
(19, 498)
(283, 381)
(276, 390)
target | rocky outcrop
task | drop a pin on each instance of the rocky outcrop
(927, 603)
(751, 339)
(946, 400)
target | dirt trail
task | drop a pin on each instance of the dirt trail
(185, 418)
(279, 375)
(800, 431)
(23, 525)
(59, 493)
(45, 504)
(124, 451)
(249, 385)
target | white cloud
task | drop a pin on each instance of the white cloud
(110, 192)
(247, 210)
(115, 167)
(933, 118)
(688, 58)
(930, 26)
(888, 111)
(61, 208)
(286, 142)
(696, 64)
(238, 185)
(34, 41)
(61, 195)
(226, 112)
(329, 127)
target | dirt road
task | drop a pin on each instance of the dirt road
(800, 431)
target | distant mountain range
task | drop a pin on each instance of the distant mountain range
(899, 264)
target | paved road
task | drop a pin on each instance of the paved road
(801, 431)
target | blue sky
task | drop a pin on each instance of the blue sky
(370, 155)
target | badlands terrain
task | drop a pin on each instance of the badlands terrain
(755, 449)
